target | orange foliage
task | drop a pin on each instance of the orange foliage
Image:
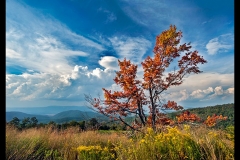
(212, 120)
(186, 116)
(161, 119)
(189, 117)
(172, 105)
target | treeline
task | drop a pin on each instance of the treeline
(97, 124)
(203, 112)
(91, 124)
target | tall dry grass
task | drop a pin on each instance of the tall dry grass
(48, 143)
(173, 143)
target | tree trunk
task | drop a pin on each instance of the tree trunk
(153, 111)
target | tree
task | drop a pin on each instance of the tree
(15, 121)
(93, 122)
(34, 122)
(136, 94)
(73, 123)
(82, 125)
(26, 123)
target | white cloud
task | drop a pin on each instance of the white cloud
(97, 72)
(230, 90)
(78, 69)
(177, 96)
(220, 44)
(11, 85)
(209, 90)
(209, 95)
(109, 62)
(204, 80)
(218, 90)
(201, 93)
(203, 87)
(41, 43)
(130, 48)
(184, 94)
(41, 50)
(71, 87)
(10, 53)
(40, 86)
(197, 94)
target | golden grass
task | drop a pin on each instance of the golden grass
(182, 142)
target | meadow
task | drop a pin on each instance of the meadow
(178, 142)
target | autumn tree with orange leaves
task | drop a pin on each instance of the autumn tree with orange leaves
(135, 94)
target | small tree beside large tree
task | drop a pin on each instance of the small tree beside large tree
(135, 94)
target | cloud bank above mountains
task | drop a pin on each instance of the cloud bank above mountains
(50, 62)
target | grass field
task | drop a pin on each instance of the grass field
(183, 142)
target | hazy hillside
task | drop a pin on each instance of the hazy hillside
(20, 115)
(49, 110)
(61, 117)
(76, 115)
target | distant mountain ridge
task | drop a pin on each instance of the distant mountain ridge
(61, 117)
(20, 115)
(85, 113)
(49, 110)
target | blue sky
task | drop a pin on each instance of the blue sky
(57, 51)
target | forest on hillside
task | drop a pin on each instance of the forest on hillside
(203, 112)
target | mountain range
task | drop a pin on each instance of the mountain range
(49, 110)
(58, 114)
(62, 114)
(60, 117)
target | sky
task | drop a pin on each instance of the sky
(57, 51)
